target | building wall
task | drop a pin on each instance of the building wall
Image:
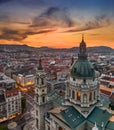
(13, 105)
(41, 110)
(3, 110)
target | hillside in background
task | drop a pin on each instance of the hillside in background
(96, 49)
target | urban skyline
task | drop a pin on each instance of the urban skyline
(56, 24)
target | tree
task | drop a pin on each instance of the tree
(111, 106)
(3, 128)
(23, 103)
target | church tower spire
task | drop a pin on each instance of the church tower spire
(40, 65)
(82, 50)
(82, 37)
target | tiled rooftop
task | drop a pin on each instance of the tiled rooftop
(72, 117)
(5, 79)
(11, 92)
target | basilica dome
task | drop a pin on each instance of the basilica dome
(82, 67)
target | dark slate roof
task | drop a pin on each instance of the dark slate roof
(98, 115)
(72, 117)
(2, 98)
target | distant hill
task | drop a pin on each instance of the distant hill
(5, 47)
(96, 49)
(101, 49)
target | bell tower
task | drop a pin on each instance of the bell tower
(41, 105)
(41, 88)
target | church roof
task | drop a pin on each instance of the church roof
(82, 67)
(110, 126)
(72, 117)
(99, 115)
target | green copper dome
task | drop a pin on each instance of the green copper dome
(82, 68)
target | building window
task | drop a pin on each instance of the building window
(73, 95)
(90, 96)
(36, 112)
(37, 98)
(78, 95)
(43, 99)
(37, 80)
(43, 90)
(73, 79)
(42, 81)
(69, 92)
(37, 123)
(84, 80)
(60, 128)
(48, 127)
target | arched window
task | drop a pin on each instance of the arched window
(43, 99)
(84, 80)
(85, 98)
(73, 94)
(37, 123)
(60, 128)
(90, 96)
(42, 81)
(69, 92)
(73, 79)
(37, 80)
(78, 95)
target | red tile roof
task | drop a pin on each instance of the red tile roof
(11, 92)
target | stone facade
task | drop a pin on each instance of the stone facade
(41, 103)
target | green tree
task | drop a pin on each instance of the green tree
(111, 106)
(23, 104)
(3, 128)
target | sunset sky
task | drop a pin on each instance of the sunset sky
(57, 23)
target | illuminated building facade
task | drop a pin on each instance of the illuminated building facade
(10, 98)
(13, 102)
(25, 82)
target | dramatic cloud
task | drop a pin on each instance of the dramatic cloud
(52, 17)
(9, 34)
(97, 22)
